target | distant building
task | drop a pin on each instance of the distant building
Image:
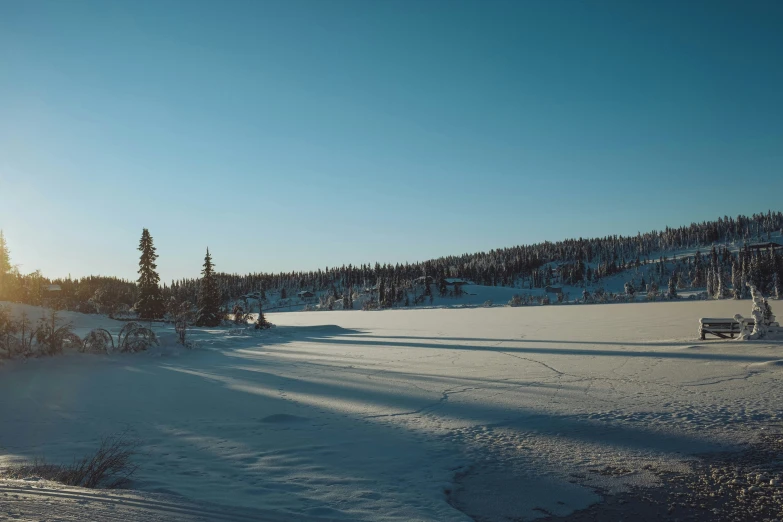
(765, 246)
(305, 294)
(455, 281)
(50, 295)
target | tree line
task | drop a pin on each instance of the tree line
(572, 262)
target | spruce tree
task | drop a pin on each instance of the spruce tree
(736, 280)
(698, 280)
(261, 322)
(150, 304)
(672, 293)
(209, 296)
(719, 286)
(5, 264)
(382, 294)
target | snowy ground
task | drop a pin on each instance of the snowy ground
(445, 414)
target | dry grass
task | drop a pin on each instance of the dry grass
(109, 467)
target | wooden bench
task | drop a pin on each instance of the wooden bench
(728, 327)
(725, 327)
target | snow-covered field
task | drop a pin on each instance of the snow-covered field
(443, 414)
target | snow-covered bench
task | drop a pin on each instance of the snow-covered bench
(724, 327)
(728, 327)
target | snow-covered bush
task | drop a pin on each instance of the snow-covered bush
(516, 300)
(261, 322)
(672, 292)
(488, 303)
(135, 338)
(97, 341)
(53, 339)
(7, 330)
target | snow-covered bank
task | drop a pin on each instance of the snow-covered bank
(403, 415)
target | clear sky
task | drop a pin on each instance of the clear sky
(292, 135)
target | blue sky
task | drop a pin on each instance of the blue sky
(296, 135)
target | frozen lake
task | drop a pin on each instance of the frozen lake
(442, 414)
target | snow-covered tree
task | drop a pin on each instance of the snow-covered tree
(762, 316)
(672, 293)
(261, 322)
(719, 286)
(150, 303)
(652, 290)
(5, 264)
(382, 294)
(736, 280)
(697, 281)
(208, 296)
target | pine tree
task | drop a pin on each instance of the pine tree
(443, 289)
(736, 280)
(150, 304)
(382, 294)
(209, 296)
(698, 282)
(672, 294)
(261, 322)
(5, 264)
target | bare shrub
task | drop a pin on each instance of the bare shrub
(110, 467)
(183, 317)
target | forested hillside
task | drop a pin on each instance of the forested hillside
(725, 261)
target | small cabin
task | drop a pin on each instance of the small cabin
(305, 294)
(454, 281)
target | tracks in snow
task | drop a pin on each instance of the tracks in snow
(25, 502)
